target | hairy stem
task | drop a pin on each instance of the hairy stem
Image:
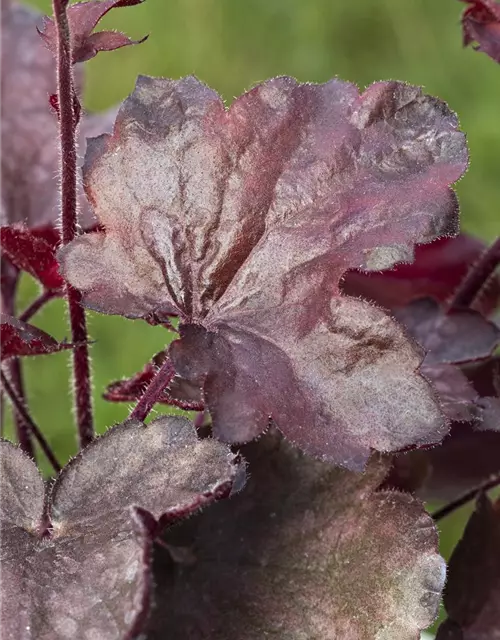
(11, 279)
(492, 482)
(478, 276)
(68, 118)
(36, 305)
(22, 428)
(2, 411)
(19, 407)
(164, 375)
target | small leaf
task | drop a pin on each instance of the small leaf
(451, 337)
(179, 392)
(85, 566)
(470, 453)
(30, 150)
(459, 400)
(481, 24)
(438, 269)
(31, 253)
(242, 222)
(23, 339)
(472, 594)
(458, 336)
(465, 458)
(306, 551)
(83, 18)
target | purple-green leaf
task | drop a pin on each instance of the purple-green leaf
(80, 567)
(305, 551)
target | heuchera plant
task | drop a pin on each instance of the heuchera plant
(337, 337)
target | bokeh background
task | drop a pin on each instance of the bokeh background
(231, 45)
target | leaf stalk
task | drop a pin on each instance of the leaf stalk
(68, 122)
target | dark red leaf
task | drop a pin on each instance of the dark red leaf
(481, 24)
(438, 269)
(458, 336)
(243, 221)
(459, 400)
(179, 392)
(33, 254)
(30, 149)
(451, 337)
(466, 458)
(306, 551)
(84, 568)
(83, 18)
(23, 339)
(131, 389)
(472, 593)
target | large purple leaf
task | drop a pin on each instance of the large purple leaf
(243, 221)
(306, 551)
(83, 569)
(30, 152)
(472, 595)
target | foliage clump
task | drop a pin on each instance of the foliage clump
(332, 324)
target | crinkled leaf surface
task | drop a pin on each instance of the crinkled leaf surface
(481, 24)
(472, 594)
(32, 253)
(30, 154)
(305, 551)
(89, 576)
(243, 221)
(22, 339)
(83, 18)
(438, 269)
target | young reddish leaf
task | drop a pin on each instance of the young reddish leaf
(23, 339)
(306, 551)
(179, 392)
(83, 18)
(438, 269)
(33, 254)
(30, 152)
(87, 571)
(131, 389)
(481, 24)
(472, 594)
(243, 221)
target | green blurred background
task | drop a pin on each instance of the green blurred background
(232, 44)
